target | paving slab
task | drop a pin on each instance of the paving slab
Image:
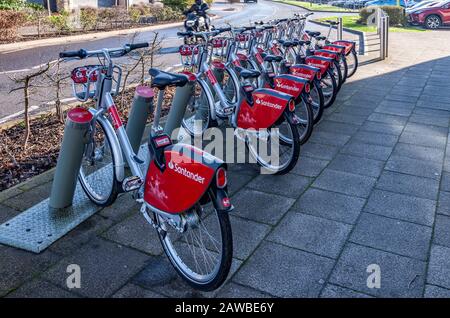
(333, 291)
(344, 182)
(17, 267)
(328, 138)
(388, 119)
(376, 138)
(439, 266)
(97, 261)
(357, 165)
(261, 207)
(419, 152)
(444, 203)
(416, 167)
(134, 291)
(305, 232)
(137, 233)
(39, 288)
(441, 235)
(24, 200)
(365, 150)
(391, 235)
(423, 140)
(382, 128)
(402, 207)
(409, 185)
(284, 272)
(288, 185)
(436, 292)
(233, 290)
(309, 167)
(335, 127)
(329, 205)
(313, 150)
(400, 276)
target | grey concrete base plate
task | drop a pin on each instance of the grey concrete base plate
(38, 227)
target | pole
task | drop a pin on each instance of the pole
(340, 27)
(386, 37)
(70, 157)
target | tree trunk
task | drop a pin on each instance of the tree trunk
(27, 118)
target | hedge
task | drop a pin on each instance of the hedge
(396, 15)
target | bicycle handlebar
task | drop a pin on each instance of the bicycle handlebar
(82, 53)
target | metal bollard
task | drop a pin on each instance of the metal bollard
(141, 109)
(178, 107)
(339, 28)
(69, 159)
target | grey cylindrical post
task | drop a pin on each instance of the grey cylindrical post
(141, 109)
(386, 38)
(340, 27)
(178, 108)
(69, 159)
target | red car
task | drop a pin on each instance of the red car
(432, 17)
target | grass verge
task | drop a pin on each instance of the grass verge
(351, 22)
(315, 6)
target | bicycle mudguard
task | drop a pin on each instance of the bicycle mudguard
(182, 180)
(335, 48)
(290, 84)
(305, 71)
(267, 107)
(349, 45)
(331, 54)
(321, 62)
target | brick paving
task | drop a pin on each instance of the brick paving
(372, 186)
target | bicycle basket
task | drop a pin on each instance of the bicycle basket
(243, 41)
(189, 54)
(219, 46)
(83, 76)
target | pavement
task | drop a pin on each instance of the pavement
(371, 188)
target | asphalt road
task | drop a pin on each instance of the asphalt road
(10, 103)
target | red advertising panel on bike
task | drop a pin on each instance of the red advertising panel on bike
(268, 106)
(182, 183)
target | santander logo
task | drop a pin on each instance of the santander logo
(288, 87)
(186, 173)
(267, 104)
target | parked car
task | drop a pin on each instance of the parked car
(422, 4)
(432, 17)
(403, 3)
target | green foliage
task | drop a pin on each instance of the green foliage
(178, 5)
(88, 18)
(396, 15)
(60, 21)
(134, 14)
(12, 4)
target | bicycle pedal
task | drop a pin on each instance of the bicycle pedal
(131, 183)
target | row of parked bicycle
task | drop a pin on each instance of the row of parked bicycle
(270, 82)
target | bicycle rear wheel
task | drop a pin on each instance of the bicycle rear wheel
(203, 252)
(329, 88)
(97, 175)
(352, 63)
(277, 149)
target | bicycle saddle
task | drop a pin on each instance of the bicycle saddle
(312, 33)
(246, 73)
(163, 79)
(321, 38)
(271, 58)
(287, 43)
(301, 42)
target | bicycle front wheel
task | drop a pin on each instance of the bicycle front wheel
(97, 174)
(203, 251)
